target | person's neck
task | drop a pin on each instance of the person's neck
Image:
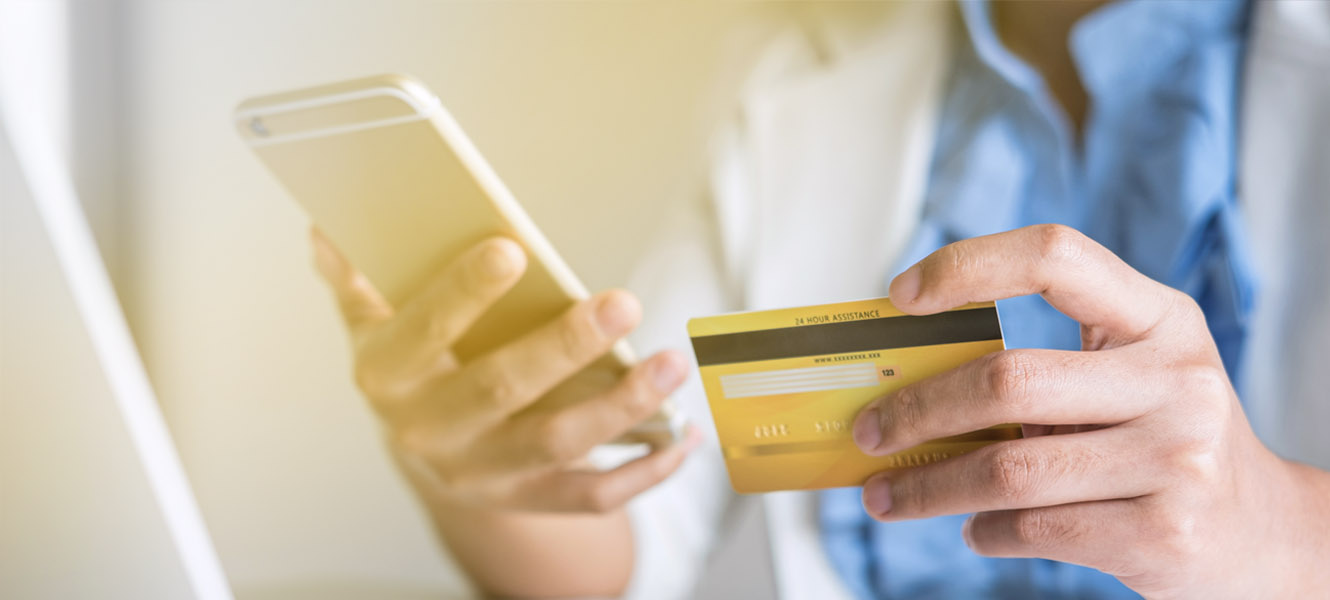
(1037, 32)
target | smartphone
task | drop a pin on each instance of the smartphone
(386, 173)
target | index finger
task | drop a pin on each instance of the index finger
(1044, 387)
(439, 314)
(1079, 277)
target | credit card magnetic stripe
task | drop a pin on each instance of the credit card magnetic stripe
(883, 333)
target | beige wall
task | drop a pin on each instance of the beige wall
(596, 114)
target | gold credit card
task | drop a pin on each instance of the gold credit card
(785, 385)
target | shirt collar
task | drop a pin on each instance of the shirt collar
(991, 52)
(1162, 31)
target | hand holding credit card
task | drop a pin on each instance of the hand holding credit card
(785, 385)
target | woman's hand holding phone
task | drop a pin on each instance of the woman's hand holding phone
(509, 430)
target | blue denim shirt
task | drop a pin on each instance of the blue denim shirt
(1153, 179)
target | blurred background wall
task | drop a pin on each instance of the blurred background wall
(595, 113)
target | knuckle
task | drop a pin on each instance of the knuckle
(950, 259)
(578, 336)
(1011, 378)
(1184, 307)
(557, 440)
(1059, 243)
(906, 417)
(438, 325)
(1173, 532)
(1037, 529)
(1012, 471)
(1205, 393)
(1184, 315)
(1203, 381)
(1184, 302)
(601, 498)
(495, 385)
(640, 400)
(1196, 461)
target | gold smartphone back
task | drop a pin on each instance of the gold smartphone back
(388, 175)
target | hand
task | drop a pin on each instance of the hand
(1137, 459)
(508, 430)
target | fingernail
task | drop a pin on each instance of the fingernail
(615, 315)
(877, 496)
(868, 429)
(666, 373)
(905, 288)
(498, 261)
(693, 438)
